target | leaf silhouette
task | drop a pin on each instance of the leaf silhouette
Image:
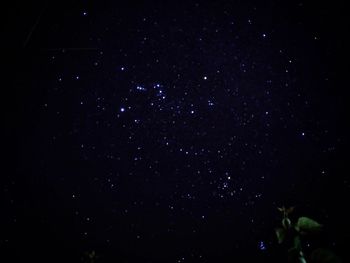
(281, 234)
(286, 223)
(290, 210)
(306, 224)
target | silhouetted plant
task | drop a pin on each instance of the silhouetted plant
(291, 234)
(90, 257)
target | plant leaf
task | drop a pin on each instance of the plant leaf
(286, 223)
(308, 225)
(297, 243)
(290, 210)
(281, 234)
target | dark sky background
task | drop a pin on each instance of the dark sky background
(171, 131)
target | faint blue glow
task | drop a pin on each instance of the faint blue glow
(262, 245)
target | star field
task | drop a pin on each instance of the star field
(171, 132)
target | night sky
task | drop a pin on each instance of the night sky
(171, 131)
